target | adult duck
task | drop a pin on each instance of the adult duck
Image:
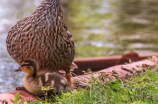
(44, 37)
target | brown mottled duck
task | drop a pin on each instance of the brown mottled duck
(44, 37)
(35, 81)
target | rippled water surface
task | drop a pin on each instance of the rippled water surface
(99, 28)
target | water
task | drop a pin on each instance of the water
(99, 28)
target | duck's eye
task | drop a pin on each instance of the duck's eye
(28, 67)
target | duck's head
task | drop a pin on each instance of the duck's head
(29, 67)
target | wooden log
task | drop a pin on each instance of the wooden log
(121, 70)
(5, 98)
(99, 63)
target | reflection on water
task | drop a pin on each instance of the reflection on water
(99, 28)
(110, 27)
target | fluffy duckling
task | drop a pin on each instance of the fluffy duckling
(34, 82)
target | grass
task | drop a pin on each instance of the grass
(140, 89)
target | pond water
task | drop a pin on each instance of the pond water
(99, 28)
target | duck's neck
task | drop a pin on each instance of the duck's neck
(54, 4)
(50, 7)
(32, 73)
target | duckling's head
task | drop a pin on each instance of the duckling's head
(29, 67)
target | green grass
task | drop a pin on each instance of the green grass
(140, 89)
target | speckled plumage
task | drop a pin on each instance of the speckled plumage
(43, 37)
(54, 80)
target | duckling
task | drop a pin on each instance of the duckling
(44, 37)
(34, 81)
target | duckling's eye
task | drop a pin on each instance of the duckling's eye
(28, 67)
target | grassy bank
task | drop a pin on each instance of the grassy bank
(140, 89)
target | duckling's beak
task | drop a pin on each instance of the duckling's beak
(19, 69)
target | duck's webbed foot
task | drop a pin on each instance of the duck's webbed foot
(21, 88)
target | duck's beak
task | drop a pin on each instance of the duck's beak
(19, 69)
